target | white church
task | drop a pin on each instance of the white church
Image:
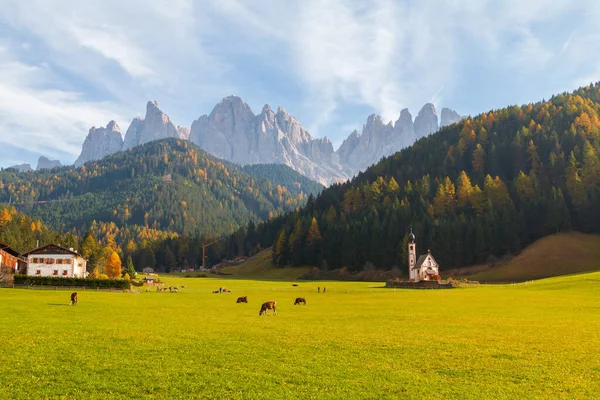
(423, 269)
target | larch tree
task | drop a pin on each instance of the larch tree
(313, 242)
(113, 265)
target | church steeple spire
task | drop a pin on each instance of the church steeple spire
(412, 254)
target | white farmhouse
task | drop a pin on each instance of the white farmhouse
(423, 269)
(54, 260)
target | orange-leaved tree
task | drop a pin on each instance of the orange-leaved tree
(113, 265)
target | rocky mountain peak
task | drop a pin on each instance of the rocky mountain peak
(100, 142)
(22, 167)
(46, 163)
(426, 121)
(155, 125)
(449, 117)
(113, 127)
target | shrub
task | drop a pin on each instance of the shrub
(58, 281)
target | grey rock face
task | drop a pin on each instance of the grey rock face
(232, 132)
(449, 117)
(378, 140)
(100, 142)
(45, 163)
(156, 125)
(426, 121)
(22, 167)
(183, 132)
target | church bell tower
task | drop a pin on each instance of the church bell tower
(412, 255)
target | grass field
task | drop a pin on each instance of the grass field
(535, 340)
(554, 255)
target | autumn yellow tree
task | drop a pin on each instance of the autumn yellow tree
(464, 189)
(113, 265)
(478, 159)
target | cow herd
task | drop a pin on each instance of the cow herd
(270, 305)
(264, 308)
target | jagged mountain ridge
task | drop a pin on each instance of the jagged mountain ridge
(234, 133)
(43, 163)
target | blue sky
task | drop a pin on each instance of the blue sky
(66, 66)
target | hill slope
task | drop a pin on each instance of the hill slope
(153, 191)
(260, 266)
(489, 185)
(553, 255)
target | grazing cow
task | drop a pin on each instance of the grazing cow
(226, 290)
(269, 305)
(243, 299)
(294, 284)
(300, 300)
(73, 299)
(182, 286)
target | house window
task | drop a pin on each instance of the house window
(38, 272)
(49, 260)
(68, 261)
(55, 272)
(65, 272)
(59, 261)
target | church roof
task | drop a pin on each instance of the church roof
(422, 259)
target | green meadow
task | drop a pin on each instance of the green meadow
(537, 339)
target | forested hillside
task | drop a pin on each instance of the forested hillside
(484, 187)
(155, 191)
(23, 233)
(282, 175)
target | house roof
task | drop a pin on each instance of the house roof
(51, 249)
(9, 250)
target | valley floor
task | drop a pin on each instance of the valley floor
(534, 340)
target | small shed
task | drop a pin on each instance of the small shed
(150, 281)
(147, 270)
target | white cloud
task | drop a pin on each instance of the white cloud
(44, 120)
(95, 60)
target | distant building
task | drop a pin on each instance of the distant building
(423, 269)
(10, 259)
(149, 280)
(54, 260)
(147, 270)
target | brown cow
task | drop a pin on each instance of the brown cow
(300, 300)
(73, 299)
(269, 305)
(243, 299)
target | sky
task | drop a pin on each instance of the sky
(66, 66)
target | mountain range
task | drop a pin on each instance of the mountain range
(234, 133)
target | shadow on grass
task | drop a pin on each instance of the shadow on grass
(59, 304)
